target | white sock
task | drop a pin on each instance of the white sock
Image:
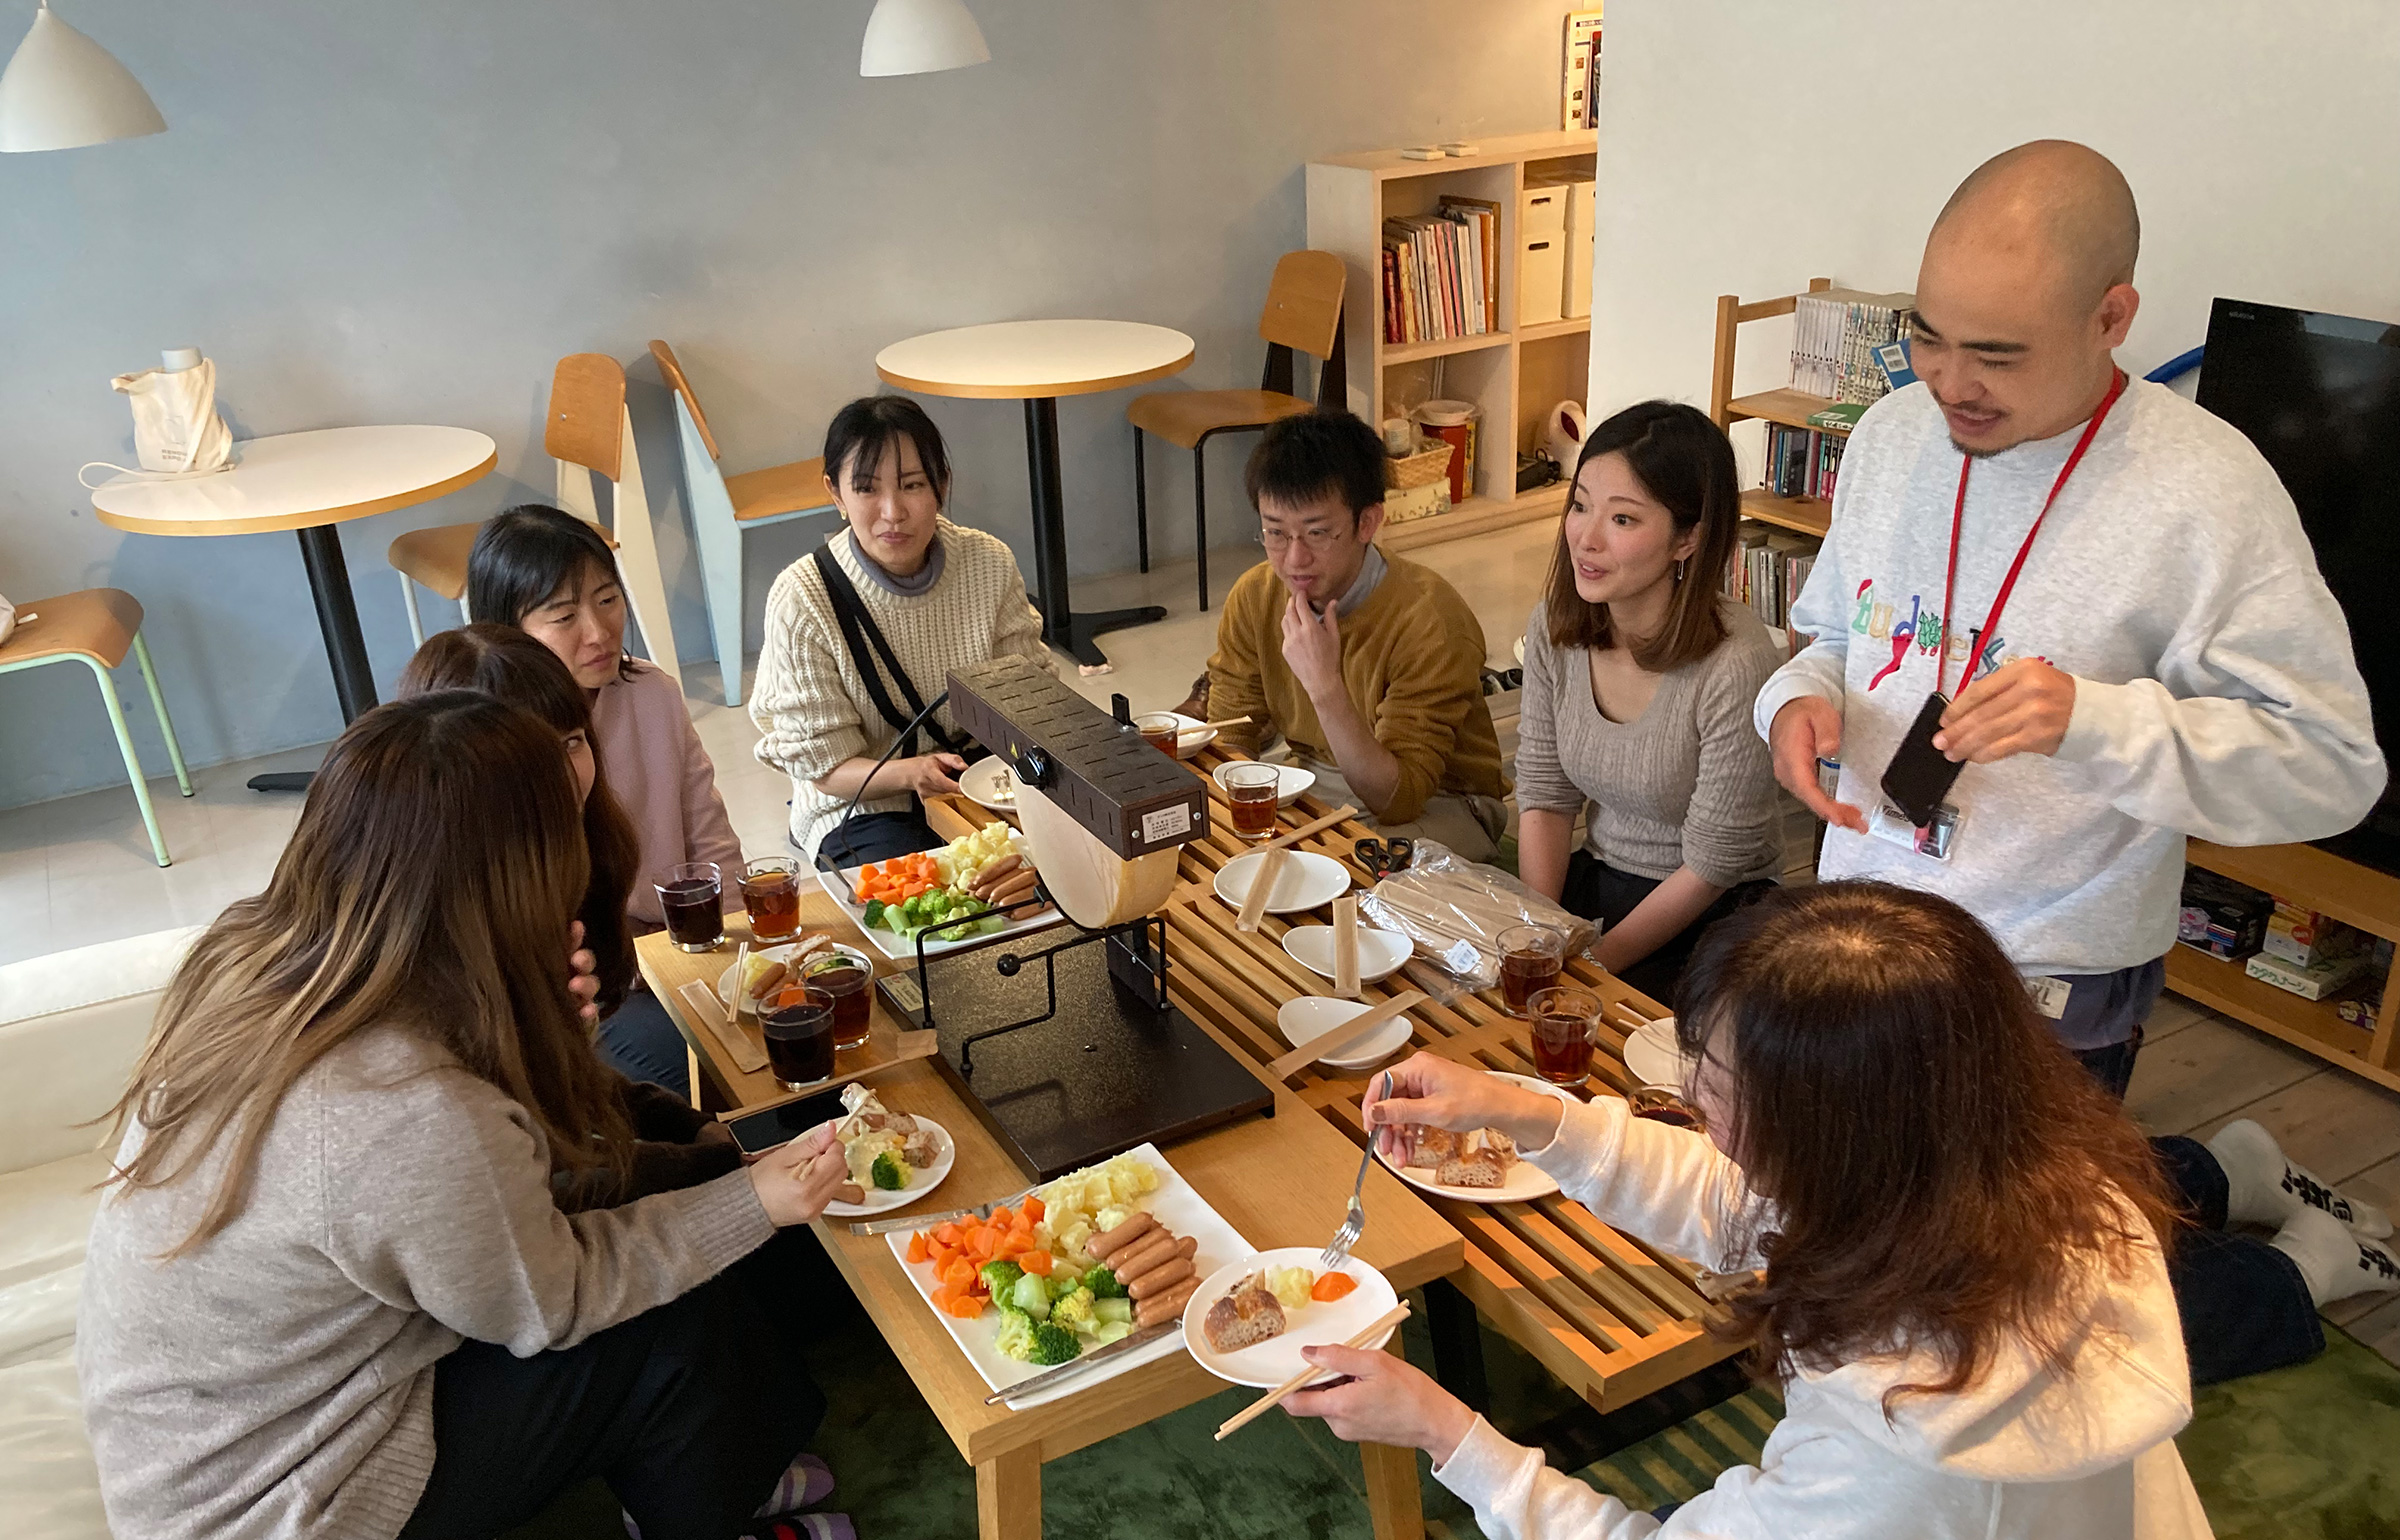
(2333, 1261)
(2266, 1187)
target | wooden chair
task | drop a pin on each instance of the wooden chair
(589, 434)
(1303, 314)
(724, 508)
(95, 627)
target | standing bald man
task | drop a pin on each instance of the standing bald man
(2166, 662)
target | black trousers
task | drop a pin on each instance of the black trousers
(689, 1412)
(879, 837)
(1598, 891)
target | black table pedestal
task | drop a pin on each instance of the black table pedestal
(1061, 626)
(345, 647)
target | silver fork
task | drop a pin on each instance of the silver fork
(1354, 1223)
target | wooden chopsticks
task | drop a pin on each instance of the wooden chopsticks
(1313, 826)
(1262, 884)
(1383, 1323)
(1342, 1038)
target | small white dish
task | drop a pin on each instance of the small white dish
(989, 783)
(727, 981)
(1654, 1058)
(882, 1200)
(1268, 1364)
(1525, 1182)
(1191, 735)
(1380, 952)
(1305, 1018)
(1309, 881)
(1291, 781)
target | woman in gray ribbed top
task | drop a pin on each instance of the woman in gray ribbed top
(1638, 688)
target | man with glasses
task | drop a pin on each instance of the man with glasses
(1370, 668)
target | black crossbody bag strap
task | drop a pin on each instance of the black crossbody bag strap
(859, 632)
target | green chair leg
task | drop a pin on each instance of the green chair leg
(133, 762)
(158, 703)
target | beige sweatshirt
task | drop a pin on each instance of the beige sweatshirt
(278, 1381)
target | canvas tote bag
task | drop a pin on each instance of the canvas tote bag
(176, 429)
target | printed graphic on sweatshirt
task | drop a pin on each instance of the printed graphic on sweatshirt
(1919, 630)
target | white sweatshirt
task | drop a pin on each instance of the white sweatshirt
(2023, 1453)
(2215, 692)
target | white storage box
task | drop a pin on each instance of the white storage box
(1542, 210)
(1541, 270)
(1576, 302)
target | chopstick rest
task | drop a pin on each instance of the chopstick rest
(1383, 1323)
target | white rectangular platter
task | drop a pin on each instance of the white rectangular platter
(841, 885)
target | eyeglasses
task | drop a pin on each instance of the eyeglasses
(1317, 537)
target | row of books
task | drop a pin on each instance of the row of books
(1441, 272)
(1835, 333)
(1768, 569)
(1802, 462)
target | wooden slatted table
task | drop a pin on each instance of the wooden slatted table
(1609, 1316)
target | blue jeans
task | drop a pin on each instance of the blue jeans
(641, 1041)
(2245, 1306)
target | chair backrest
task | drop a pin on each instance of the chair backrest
(71, 1026)
(1304, 302)
(586, 424)
(673, 371)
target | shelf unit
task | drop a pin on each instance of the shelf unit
(1514, 374)
(2301, 874)
(1808, 515)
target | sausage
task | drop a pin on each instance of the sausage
(1014, 889)
(1181, 1251)
(773, 975)
(990, 877)
(1146, 1250)
(851, 1192)
(1159, 1279)
(1167, 1306)
(1105, 1246)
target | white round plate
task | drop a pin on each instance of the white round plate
(882, 1201)
(782, 952)
(1309, 881)
(1291, 781)
(1652, 1057)
(1191, 735)
(988, 782)
(1268, 1364)
(1519, 650)
(1526, 1181)
(1304, 1018)
(1380, 952)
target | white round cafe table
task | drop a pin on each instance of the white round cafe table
(309, 482)
(1037, 362)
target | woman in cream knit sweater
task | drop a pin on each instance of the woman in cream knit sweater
(939, 594)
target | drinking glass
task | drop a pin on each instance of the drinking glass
(771, 892)
(846, 980)
(692, 899)
(1159, 729)
(798, 1027)
(1530, 957)
(1252, 788)
(1565, 1021)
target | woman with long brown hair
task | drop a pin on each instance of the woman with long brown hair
(1964, 1290)
(1639, 678)
(331, 1293)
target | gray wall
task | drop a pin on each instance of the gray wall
(406, 212)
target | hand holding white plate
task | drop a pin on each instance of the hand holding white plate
(1268, 1364)
(1309, 881)
(1525, 1182)
(989, 783)
(882, 1200)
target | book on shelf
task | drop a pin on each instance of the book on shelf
(1842, 414)
(1440, 273)
(1802, 462)
(1579, 92)
(1835, 335)
(1483, 220)
(1768, 570)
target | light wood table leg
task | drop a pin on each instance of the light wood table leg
(1008, 1497)
(1394, 1501)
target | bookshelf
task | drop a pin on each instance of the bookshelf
(1514, 374)
(1788, 407)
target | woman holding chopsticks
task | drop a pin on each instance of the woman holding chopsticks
(1965, 1291)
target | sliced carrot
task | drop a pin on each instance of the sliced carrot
(918, 1250)
(1034, 1210)
(1002, 1218)
(960, 1272)
(947, 1233)
(966, 1308)
(1332, 1287)
(1037, 1263)
(983, 1240)
(1023, 1225)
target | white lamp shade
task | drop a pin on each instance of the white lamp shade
(63, 90)
(917, 37)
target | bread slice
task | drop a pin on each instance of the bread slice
(1433, 1146)
(1247, 1314)
(1483, 1158)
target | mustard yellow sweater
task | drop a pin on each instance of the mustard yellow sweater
(1412, 659)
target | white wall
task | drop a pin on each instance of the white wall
(407, 211)
(1748, 145)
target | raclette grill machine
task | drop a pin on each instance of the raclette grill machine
(1071, 1052)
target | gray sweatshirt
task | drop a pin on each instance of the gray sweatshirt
(2215, 692)
(278, 1381)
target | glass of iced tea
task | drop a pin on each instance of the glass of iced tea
(1159, 729)
(771, 892)
(798, 1027)
(692, 900)
(846, 980)
(1251, 788)
(1565, 1021)
(1530, 957)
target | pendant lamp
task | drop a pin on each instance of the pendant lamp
(63, 90)
(918, 37)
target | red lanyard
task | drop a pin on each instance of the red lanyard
(1941, 668)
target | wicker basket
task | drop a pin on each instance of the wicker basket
(1423, 468)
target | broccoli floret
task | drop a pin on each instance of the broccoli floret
(1000, 1276)
(1107, 1310)
(874, 914)
(1053, 1343)
(1074, 1310)
(1103, 1284)
(890, 1171)
(1016, 1334)
(1031, 1296)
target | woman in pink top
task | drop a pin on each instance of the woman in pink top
(552, 576)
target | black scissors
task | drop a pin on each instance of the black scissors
(1381, 858)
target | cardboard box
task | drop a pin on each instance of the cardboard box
(1402, 504)
(2306, 937)
(2221, 917)
(2316, 982)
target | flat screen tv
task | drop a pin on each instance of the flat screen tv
(2319, 395)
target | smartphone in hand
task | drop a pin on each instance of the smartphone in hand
(1920, 775)
(755, 1133)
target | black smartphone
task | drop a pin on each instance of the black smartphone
(1920, 775)
(760, 1131)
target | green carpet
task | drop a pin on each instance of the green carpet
(1686, 1460)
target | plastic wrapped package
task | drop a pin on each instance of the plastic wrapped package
(1454, 912)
